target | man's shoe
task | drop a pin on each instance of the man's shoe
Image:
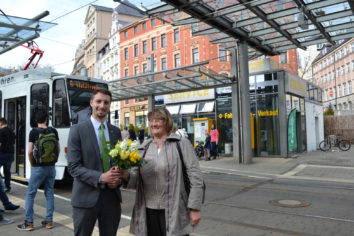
(11, 207)
(47, 224)
(8, 190)
(27, 226)
(6, 221)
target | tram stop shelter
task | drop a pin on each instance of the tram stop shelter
(249, 29)
(15, 31)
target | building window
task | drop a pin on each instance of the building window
(343, 70)
(136, 50)
(329, 76)
(126, 73)
(163, 40)
(338, 72)
(283, 59)
(350, 87)
(347, 50)
(143, 26)
(348, 67)
(126, 116)
(153, 43)
(163, 63)
(126, 56)
(177, 60)
(194, 27)
(352, 65)
(155, 66)
(344, 89)
(136, 70)
(145, 47)
(153, 22)
(126, 34)
(175, 12)
(176, 35)
(135, 29)
(195, 54)
(342, 53)
(339, 91)
(222, 53)
(145, 66)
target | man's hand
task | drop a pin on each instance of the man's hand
(111, 177)
(195, 217)
(124, 174)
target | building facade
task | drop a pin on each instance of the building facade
(172, 47)
(333, 71)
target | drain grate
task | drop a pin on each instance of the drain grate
(289, 203)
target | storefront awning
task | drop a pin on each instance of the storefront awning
(15, 31)
(187, 78)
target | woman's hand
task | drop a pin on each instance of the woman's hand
(195, 217)
(124, 174)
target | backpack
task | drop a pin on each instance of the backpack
(45, 150)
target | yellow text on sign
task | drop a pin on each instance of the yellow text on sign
(191, 94)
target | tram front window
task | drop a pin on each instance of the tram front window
(79, 98)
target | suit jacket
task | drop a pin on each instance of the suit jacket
(85, 163)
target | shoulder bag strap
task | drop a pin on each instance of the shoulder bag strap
(187, 183)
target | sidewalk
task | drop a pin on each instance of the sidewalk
(316, 165)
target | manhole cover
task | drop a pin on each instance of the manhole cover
(289, 203)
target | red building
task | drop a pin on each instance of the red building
(172, 47)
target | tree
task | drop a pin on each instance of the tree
(329, 112)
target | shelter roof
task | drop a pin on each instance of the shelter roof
(270, 27)
(15, 31)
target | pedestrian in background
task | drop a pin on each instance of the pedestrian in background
(95, 194)
(214, 137)
(125, 133)
(162, 205)
(132, 135)
(7, 141)
(9, 206)
(207, 146)
(41, 172)
(141, 134)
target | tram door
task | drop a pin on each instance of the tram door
(15, 113)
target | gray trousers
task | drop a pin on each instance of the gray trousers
(107, 210)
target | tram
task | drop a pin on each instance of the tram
(66, 98)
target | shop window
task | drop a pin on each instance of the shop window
(188, 108)
(126, 119)
(205, 107)
(174, 110)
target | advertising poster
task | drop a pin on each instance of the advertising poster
(292, 141)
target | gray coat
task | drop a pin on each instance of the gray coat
(178, 203)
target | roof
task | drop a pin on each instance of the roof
(269, 27)
(101, 8)
(126, 10)
(15, 31)
(329, 50)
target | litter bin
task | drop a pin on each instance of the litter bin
(228, 148)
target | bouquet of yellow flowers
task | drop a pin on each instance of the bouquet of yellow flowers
(125, 154)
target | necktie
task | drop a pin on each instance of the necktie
(104, 150)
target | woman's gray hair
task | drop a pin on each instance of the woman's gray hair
(165, 115)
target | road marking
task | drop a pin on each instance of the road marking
(295, 170)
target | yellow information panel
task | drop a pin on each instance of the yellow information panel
(200, 125)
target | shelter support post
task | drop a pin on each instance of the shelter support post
(245, 120)
(151, 102)
(235, 108)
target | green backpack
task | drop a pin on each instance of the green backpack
(45, 150)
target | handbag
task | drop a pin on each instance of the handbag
(187, 183)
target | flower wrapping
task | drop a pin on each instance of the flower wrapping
(125, 154)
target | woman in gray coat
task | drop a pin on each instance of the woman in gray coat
(162, 205)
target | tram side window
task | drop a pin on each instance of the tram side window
(60, 101)
(0, 102)
(39, 100)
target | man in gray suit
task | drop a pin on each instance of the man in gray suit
(96, 193)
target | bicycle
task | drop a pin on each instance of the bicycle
(333, 141)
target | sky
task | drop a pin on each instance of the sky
(60, 42)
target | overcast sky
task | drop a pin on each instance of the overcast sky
(59, 42)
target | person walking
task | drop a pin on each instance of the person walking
(162, 204)
(7, 141)
(207, 146)
(132, 135)
(4, 220)
(95, 192)
(141, 134)
(214, 137)
(125, 133)
(42, 159)
(9, 206)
